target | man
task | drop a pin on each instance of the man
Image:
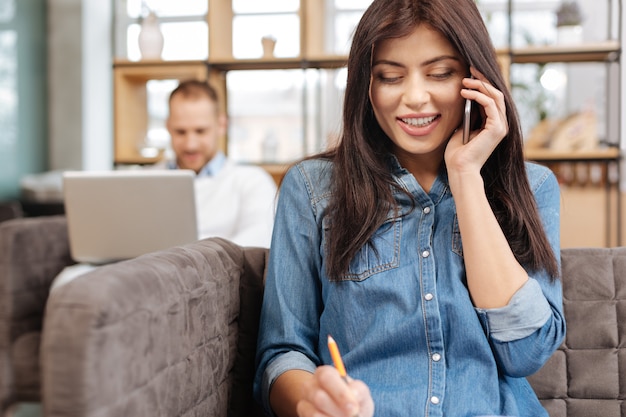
(235, 202)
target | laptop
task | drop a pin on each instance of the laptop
(117, 215)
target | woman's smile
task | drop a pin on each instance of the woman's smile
(418, 126)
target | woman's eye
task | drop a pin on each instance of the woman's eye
(387, 78)
(441, 75)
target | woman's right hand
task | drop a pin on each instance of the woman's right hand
(327, 394)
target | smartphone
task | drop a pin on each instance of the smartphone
(466, 120)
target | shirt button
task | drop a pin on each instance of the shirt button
(426, 210)
(436, 357)
(428, 297)
(425, 254)
(434, 400)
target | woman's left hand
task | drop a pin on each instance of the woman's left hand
(473, 155)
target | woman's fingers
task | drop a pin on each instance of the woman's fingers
(491, 101)
(327, 394)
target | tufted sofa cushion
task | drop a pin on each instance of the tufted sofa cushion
(586, 376)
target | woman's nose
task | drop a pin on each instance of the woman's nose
(416, 92)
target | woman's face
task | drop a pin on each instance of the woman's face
(415, 92)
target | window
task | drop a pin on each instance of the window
(23, 109)
(344, 15)
(180, 21)
(157, 137)
(253, 20)
(279, 116)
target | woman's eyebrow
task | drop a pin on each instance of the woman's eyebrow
(387, 62)
(423, 64)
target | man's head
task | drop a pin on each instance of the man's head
(195, 124)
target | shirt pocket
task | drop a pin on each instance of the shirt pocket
(380, 254)
(457, 245)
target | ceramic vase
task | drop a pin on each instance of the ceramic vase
(150, 38)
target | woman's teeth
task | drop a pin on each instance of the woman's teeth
(419, 121)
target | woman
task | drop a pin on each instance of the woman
(431, 262)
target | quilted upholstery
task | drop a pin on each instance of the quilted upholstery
(586, 377)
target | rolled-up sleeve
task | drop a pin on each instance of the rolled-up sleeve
(527, 312)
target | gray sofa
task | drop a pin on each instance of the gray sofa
(173, 333)
(159, 335)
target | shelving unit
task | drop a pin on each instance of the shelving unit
(130, 95)
(608, 157)
(130, 112)
(131, 77)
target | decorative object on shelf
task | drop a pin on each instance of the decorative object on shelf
(577, 132)
(268, 42)
(539, 136)
(569, 20)
(150, 37)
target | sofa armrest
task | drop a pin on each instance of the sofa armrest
(153, 336)
(32, 252)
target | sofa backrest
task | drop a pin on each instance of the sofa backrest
(586, 376)
(155, 335)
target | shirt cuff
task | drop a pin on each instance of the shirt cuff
(527, 311)
(283, 363)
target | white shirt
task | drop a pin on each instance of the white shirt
(234, 202)
(237, 204)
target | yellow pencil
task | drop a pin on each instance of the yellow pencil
(337, 361)
(336, 357)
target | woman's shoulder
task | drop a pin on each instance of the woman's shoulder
(315, 173)
(539, 175)
(315, 169)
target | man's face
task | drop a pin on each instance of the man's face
(195, 126)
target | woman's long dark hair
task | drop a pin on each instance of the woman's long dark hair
(360, 172)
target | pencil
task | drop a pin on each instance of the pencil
(337, 361)
(336, 357)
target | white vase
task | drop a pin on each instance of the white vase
(268, 43)
(569, 35)
(150, 38)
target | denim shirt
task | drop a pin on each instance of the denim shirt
(402, 316)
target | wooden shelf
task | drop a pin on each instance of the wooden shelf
(329, 62)
(608, 51)
(548, 155)
(155, 63)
